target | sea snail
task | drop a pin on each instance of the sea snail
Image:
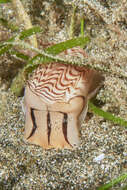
(56, 100)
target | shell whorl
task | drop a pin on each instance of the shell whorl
(57, 82)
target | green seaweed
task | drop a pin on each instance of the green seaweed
(4, 49)
(60, 47)
(107, 115)
(9, 44)
(48, 55)
(29, 32)
(19, 55)
(113, 182)
(5, 1)
(82, 27)
(54, 50)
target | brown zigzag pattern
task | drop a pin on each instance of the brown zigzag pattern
(57, 82)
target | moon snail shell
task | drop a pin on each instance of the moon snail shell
(56, 102)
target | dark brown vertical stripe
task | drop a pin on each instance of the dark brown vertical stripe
(48, 127)
(33, 121)
(64, 127)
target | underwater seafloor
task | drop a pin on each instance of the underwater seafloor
(24, 166)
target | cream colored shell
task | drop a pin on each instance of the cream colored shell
(56, 104)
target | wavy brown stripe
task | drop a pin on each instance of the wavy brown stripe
(64, 127)
(34, 123)
(56, 80)
(48, 127)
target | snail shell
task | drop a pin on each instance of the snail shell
(56, 101)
